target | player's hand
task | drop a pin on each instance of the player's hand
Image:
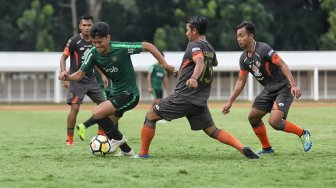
(192, 83)
(62, 76)
(66, 84)
(170, 69)
(105, 81)
(226, 108)
(296, 92)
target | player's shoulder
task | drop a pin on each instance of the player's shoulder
(75, 38)
(194, 46)
(262, 46)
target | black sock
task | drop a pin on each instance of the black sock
(110, 130)
(125, 147)
(89, 122)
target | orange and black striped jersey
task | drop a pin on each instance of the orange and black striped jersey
(262, 65)
(77, 48)
(199, 95)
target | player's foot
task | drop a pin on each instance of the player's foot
(306, 141)
(81, 131)
(101, 132)
(121, 153)
(69, 142)
(138, 156)
(268, 151)
(116, 143)
(248, 153)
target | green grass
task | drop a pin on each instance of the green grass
(34, 154)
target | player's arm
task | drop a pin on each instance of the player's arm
(237, 90)
(198, 59)
(102, 75)
(296, 92)
(63, 59)
(78, 75)
(155, 52)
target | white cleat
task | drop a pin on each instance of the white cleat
(116, 143)
(121, 153)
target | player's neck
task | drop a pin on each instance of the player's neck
(85, 37)
(201, 37)
(251, 48)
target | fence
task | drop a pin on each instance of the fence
(32, 76)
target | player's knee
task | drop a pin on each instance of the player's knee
(149, 123)
(255, 122)
(276, 124)
(214, 133)
(75, 108)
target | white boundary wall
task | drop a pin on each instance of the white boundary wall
(313, 64)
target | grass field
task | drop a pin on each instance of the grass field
(34, 154)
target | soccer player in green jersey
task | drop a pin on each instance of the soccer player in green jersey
(113, 59)
(157, 80)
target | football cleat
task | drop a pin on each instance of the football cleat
(269, 151)
(121, 153)
(248, 153)
(138, 156)
(70, 142)
(116, 143)
(306, 141)
(81, 131)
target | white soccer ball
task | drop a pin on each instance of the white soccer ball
(100, 145)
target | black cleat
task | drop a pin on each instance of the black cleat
(248, 153)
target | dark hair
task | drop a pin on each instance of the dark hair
(86, 17)
(248, 25)
(200, 23)
(99, 29)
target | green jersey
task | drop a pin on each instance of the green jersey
(157, 75)
(116, 65)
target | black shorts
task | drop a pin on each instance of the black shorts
(280, 100)
(157, 93)
(124, 102)
(174, 107)
(77, 92)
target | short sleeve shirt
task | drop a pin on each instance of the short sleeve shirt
(157, 75)
(199, 95)
(262, 65)
(77, 48)
(116, 65)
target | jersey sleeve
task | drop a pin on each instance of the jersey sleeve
(243, 69)
(89, 61)
(69, 48)
(270, 55)
(196, 51)
(128, 47)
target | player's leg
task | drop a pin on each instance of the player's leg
(96, 94)
(278, 120)
(261, 106)
(147, 133)
(75, 97)
(226, 138)
(71, 121)
(169, 108)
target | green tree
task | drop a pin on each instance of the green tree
(328, 40)
(35, 25)
(297, 24)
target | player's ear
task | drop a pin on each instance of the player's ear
(108, 37)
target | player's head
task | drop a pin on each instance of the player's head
(245, 34)
(100, 36)
(196, 26)
(85, 24)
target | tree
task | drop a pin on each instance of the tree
(328, 40)
(36, 24)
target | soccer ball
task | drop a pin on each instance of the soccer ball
(100, 145)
